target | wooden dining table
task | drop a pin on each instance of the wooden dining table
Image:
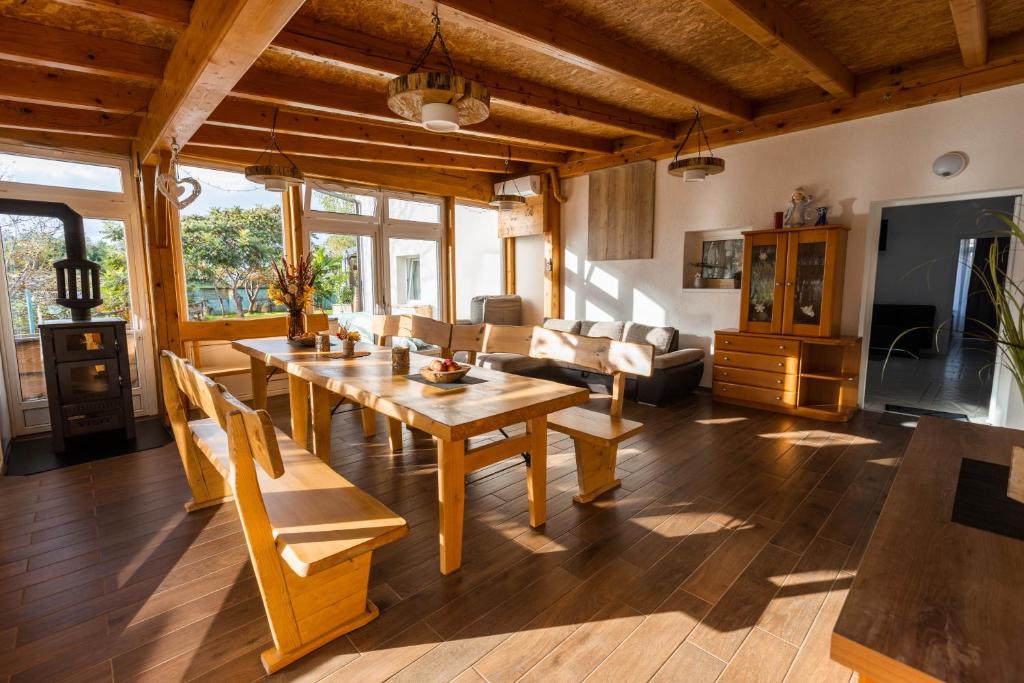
(452, 416)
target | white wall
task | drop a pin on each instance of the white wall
(852, 167)
(919, 264)
(530, 277)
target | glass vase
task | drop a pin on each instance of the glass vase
(295, 326)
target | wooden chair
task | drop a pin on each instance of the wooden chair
(468, 339)
(595, 435)
(310, 533)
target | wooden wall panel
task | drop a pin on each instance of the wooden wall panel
(621, 213)
(524, 221)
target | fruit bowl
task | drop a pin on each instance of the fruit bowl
(444, 376)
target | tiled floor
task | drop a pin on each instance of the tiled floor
(957, 382)
(726, 555)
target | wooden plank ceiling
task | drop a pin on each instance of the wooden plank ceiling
(576, 85)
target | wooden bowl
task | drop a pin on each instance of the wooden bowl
(444, 377)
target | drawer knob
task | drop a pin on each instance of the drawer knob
(727, 342)
(725, 374)
(780, 364)
(724, 390)
(725, 357)
(782, 347)
(778, 381)
(778, 398)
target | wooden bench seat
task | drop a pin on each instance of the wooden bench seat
(590, 425)
(596, 433)
(319, 519)
(309, 531)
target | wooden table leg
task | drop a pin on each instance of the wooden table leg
(323, 402)
(537, 472)
(451, 494)
(395, 435)
(298, 398)
(369, 419)
(259, 383)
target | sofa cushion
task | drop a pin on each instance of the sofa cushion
(560, 325)
(675, 358)
(510, 362)
(609, 330)
(658, 337)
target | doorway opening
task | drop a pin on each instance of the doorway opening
(930, 351)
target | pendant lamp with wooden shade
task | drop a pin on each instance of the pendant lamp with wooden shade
(502, 199)
(440, 101)
(274, 177)
(697, 168)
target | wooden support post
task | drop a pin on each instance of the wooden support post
(259, 383)
(449, 259)
(298, 398)
(451, 494)
(537, 471)
(552, 251)
(322, 402)
(161, 219)
(509, 245)
(291, 209)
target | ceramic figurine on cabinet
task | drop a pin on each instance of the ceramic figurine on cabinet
(796, 212)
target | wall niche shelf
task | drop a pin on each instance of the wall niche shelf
(694, 252)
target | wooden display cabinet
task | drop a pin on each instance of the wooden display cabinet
(793, 281)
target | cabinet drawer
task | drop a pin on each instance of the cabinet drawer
(755, 361)
(756, 378)
(755, 394)
(775, 347)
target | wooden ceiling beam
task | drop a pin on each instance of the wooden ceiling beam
(61, 88)
(173, 13)
(769, 25)
(462, 184)
(256, 116)
(971, 30)
(43, 117)
(531, 24)
(62, 141)
(223, 40)
(877, 93)
(256, 142)
(335, 45)
(28, 43)
(277, 88)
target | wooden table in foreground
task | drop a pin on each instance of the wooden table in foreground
(935, 600)
(451, 417)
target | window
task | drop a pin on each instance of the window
(76, 175)
(345, 263)
(231, 237)
(415, 277)
(409, 277)
(410, 210)
(343, 202)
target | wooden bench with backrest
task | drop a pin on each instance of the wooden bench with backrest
(196, 333)
(310, 533)
(596, 435)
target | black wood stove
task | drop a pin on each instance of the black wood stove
(88, 379)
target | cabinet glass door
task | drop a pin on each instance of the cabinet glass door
(808, 310)
(764, 262)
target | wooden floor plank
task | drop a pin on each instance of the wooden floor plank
(677, 575)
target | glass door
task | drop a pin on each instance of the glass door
(810, 263)
(30, 245)
(414, 275)
(764, 265)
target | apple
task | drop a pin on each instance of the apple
(437, 365)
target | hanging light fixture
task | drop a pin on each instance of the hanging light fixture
(502, 199)
(441, 101)
(274, 177)
(696, 169)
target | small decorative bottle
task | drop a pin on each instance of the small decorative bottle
(822, 216)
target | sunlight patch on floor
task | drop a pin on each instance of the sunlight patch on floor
(819, 437)
(720, 420)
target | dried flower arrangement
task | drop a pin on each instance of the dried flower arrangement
(294, 288)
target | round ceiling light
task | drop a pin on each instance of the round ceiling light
(441, 102)
(696, 169)
(273, 177)
(506, 202)
(950, 164)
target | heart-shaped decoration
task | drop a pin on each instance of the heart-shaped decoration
(174, 189)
